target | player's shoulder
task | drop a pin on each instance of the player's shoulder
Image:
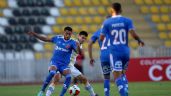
(126, 18)
(58, 36)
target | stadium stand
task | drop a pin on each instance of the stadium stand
(51, 16)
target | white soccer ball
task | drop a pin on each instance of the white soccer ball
(74, 90)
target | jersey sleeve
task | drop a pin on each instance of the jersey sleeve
(130, 25)
(104, 28)
(74, 45)
(94, 37)
(55, 38)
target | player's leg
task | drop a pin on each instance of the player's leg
(67, 73)
(80, 77)
(52, 71)
(117, 73)
(75, 80)
(106, 68)
(54, 82)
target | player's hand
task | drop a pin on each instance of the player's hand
(31, 33)
(141, 43)
(92, 62)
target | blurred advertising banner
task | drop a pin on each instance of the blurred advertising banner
(149, 69)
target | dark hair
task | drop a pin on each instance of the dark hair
(108, 16)
(83, 33)
(68, 28)
(117, 7)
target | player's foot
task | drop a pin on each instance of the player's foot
(40, 93)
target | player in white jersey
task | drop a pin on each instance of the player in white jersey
(74, 71)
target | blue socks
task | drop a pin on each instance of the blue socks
(107, 87)
(120, 84)
(125, 80)
(48, 79)
(66, 84)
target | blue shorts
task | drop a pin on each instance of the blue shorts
(60, 67)
(119, 62)
(106, 68)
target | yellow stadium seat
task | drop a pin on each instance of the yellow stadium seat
(163, 35)
(77, 2)
(133, 44)
(97, 19)
(57, 29)
(155, 18)
(158, 2)
(1, 14)
(75, 28)
(60, 20)
(167, 43)
(93, 28)
(69, 20)
(101, 10)
(161, 27)
(96, 2)
(3, 4)
(92, 10)
(73, 11)
(38, 55)
(79, 20)
(87, 20)
(68, 3)
(48, 46)
(167, 2)
(64, 11)
(105, 2)
(87, 2)
(149, 2)
(169, 26)
(144, 9)
(169, 35)
(139, 2)
(82, 11)
(165, 18)
(164, 9)
(84, 27)
(154, 9)
(48, 55)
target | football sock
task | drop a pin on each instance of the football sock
(125, 83)
(120, 84)
(107, 87)
(89, 88)
(50, 90)
(66, 84)
(48, 79)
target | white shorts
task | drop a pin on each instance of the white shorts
(74, 71)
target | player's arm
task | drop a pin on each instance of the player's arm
(40, 37)
(78, 49)
(136, 37)
(102, 36)
(90, 46)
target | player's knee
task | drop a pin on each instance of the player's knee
(107, 76)
(83, 79)
(52, 72)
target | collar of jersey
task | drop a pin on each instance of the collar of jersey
(66, 40)
(116, 16)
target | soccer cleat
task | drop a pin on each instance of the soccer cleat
(40, 93)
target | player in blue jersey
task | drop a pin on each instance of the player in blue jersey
(116, 29)
(61, 57)
(104, 58)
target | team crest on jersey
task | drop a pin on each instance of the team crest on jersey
(68, 46)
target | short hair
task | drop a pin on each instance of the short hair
(83, 33)
(68, 28)
(117, 7)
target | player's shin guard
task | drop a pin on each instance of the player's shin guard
(107, 87)
(90, 89)
(66, 84)
(120, 84)
(50, 90)
(125, 84)
(48, 79)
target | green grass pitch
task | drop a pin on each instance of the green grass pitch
(135, 89)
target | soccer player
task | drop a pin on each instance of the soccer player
(104, 58)
(116, 29)
(82, 36)
(61, 57)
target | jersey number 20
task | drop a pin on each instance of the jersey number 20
(120, 36)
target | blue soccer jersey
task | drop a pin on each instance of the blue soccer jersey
(63, 50)
(116, 29)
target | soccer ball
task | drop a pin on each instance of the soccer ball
(74, 90)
